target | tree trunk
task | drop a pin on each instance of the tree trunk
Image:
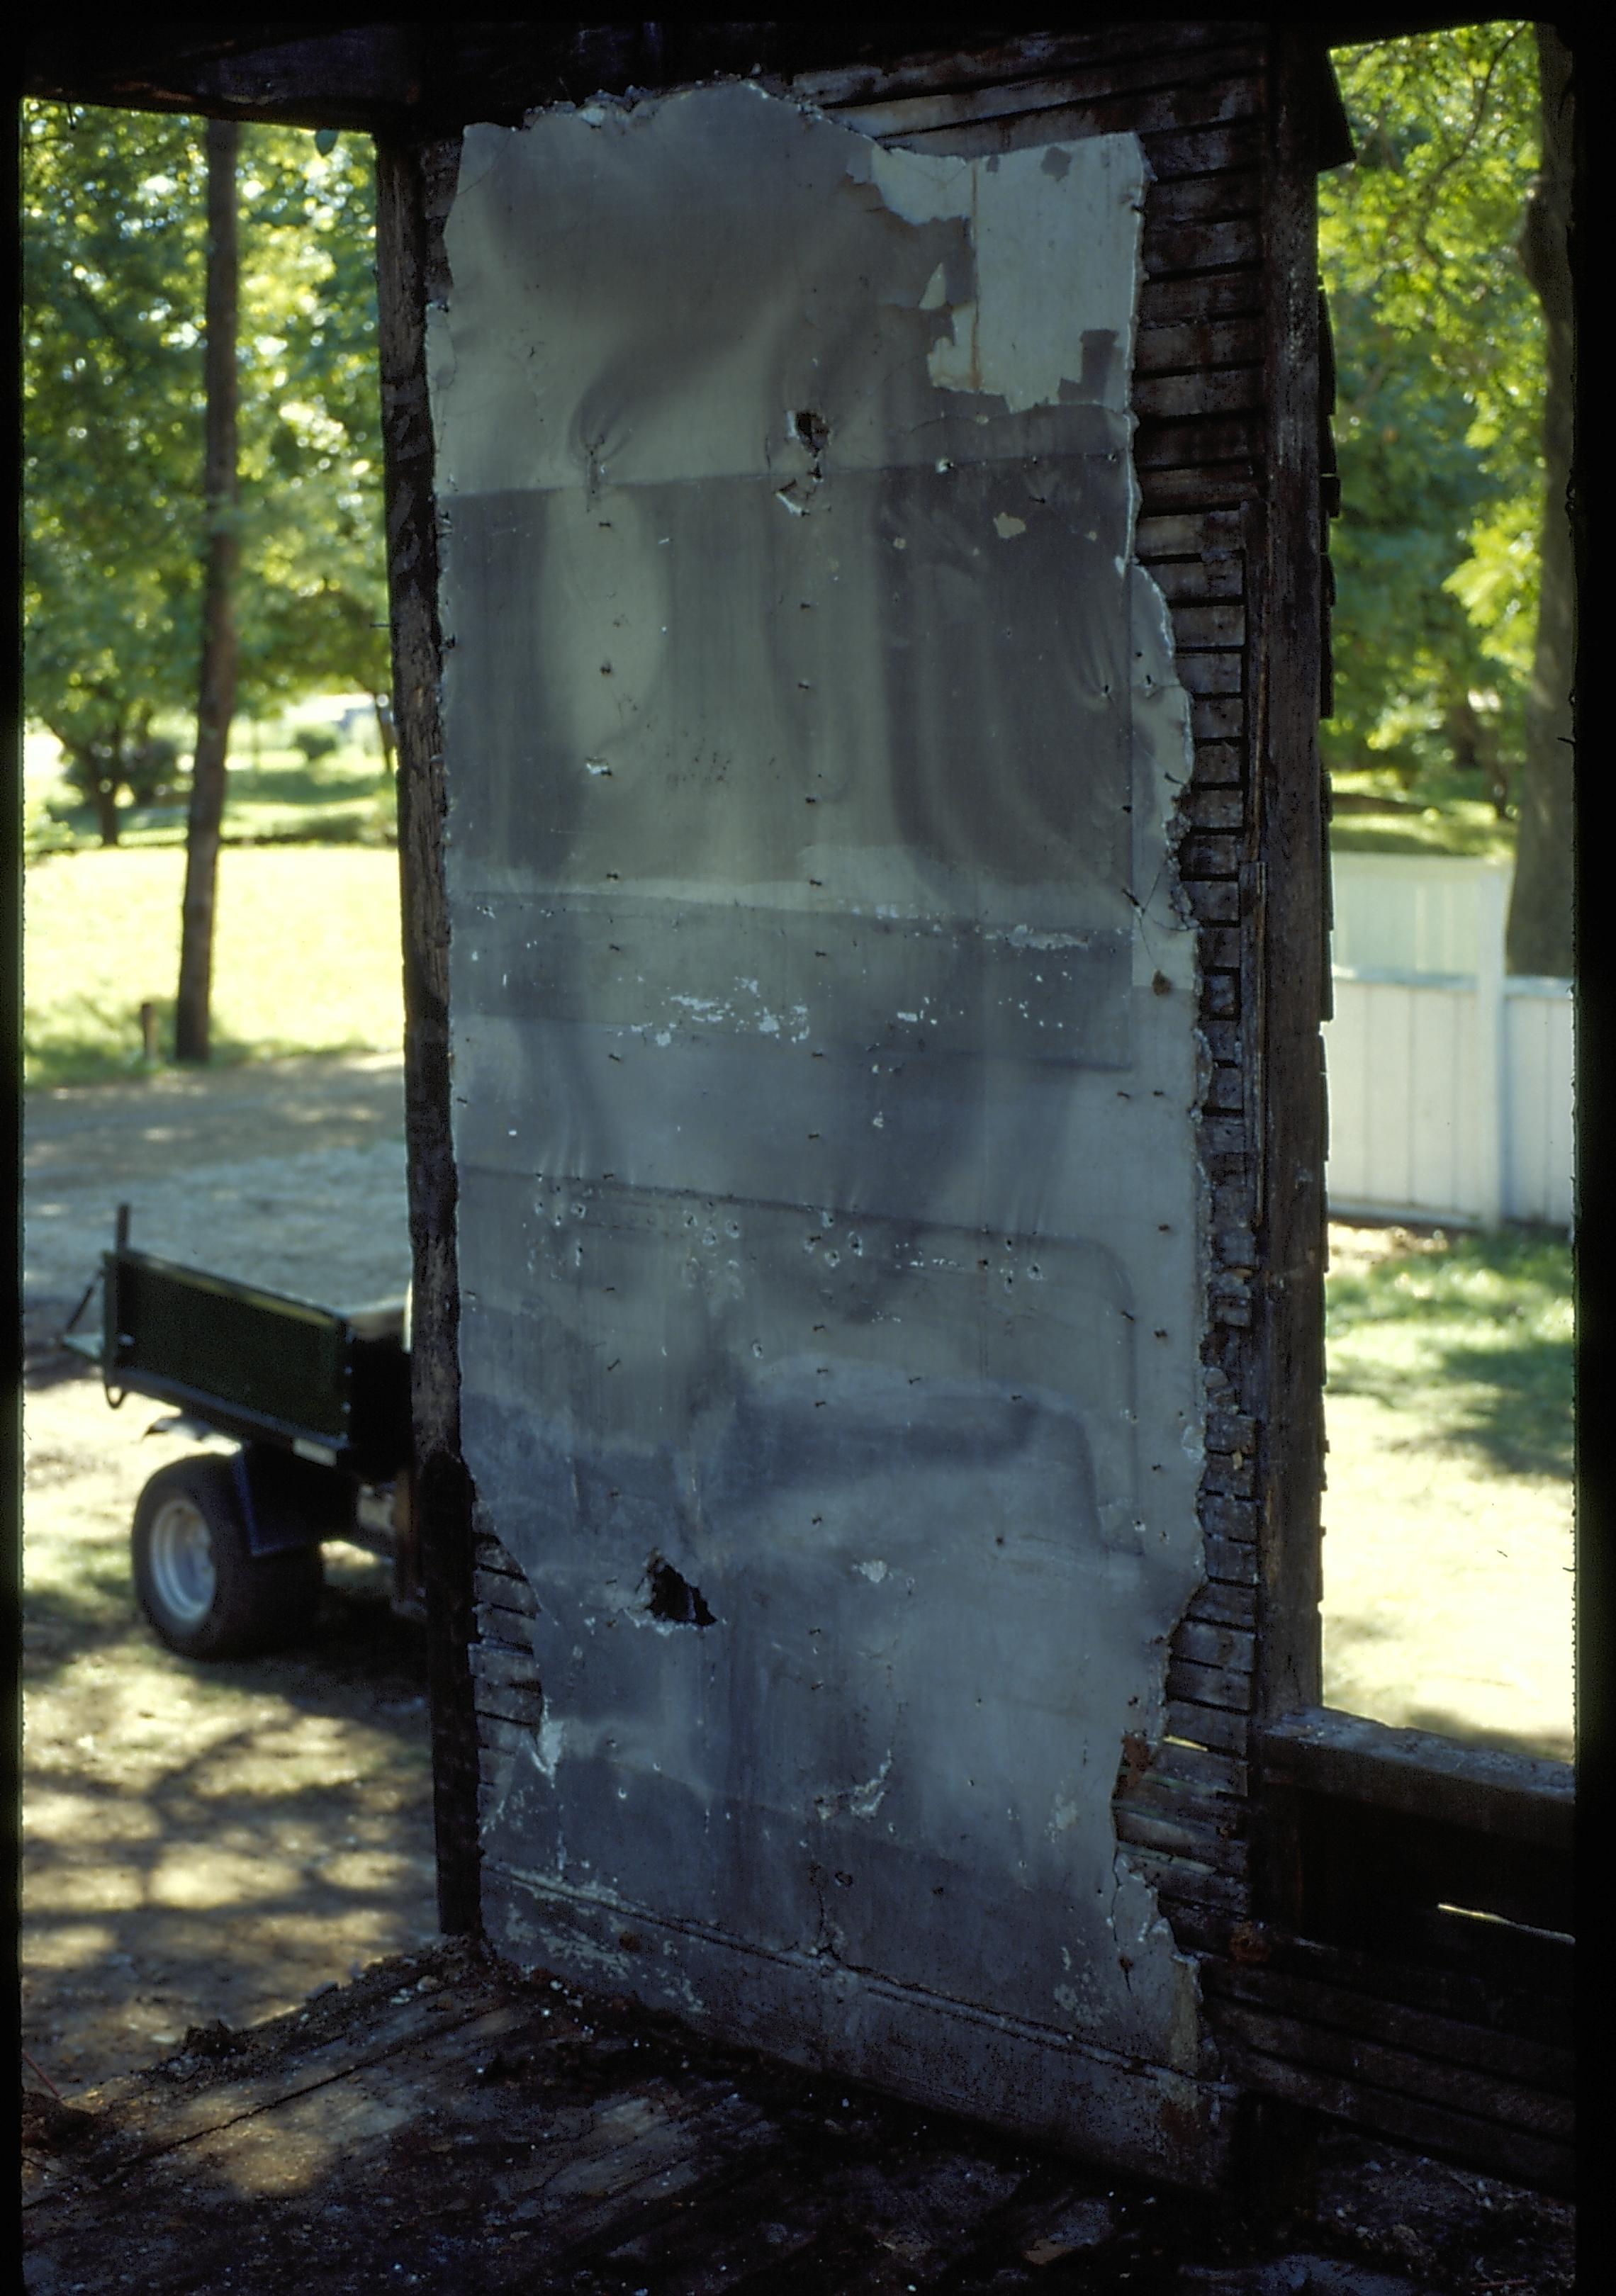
(106, 811)
(1539, 938)
(215, 702)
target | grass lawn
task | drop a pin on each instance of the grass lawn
(1449, 1514)
(307, 957)
(275, 798)
(1373, 812)
(1474, 833)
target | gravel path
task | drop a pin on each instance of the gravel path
(203, 1841)
(289, 1174)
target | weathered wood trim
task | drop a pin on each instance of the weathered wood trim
(1029, 74)
(1507, 2150)
(1512, 1797)
(1144, 1823)
(1180, 1879)
(1182, 347)
(1202, 103)
(1375, 2064)
(1200, 297)
(515, 1704)
(1539, 2016)
(1223, 1729)
(1223, 1606)
(1454, 2041)
(442, 1487)
(505, 1664)
(1287, 985)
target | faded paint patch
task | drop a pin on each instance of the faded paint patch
(1047, 313)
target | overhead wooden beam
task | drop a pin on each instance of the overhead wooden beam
(429, 76)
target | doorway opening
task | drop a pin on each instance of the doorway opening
(202, 1841)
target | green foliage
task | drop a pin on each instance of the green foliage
(315, 741)
(1440, 356)
(113, 214)
(1468, 1339)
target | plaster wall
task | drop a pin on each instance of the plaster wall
(824, 1077)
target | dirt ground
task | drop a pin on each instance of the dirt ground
(204, 1842)
(218, 1842)
(1449, 1585)
(286, 1173)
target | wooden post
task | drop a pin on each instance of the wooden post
(440, 1492)
(1288, 941)
(1291, 941)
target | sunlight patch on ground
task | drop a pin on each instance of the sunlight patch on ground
(1449, 1514)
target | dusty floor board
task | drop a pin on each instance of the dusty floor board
(442, 2125)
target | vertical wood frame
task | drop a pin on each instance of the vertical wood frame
(409, 179)
(1288, 933)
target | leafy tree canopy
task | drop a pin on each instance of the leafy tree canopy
(1440, 354)
(113, 231)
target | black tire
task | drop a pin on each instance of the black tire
(203, 1592)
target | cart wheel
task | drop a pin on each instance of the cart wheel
(205, 1594)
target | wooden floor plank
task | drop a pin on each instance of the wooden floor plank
(445, 2126)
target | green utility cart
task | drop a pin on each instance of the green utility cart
(306, 1412)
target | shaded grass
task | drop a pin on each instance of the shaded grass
(1467, 1340)
(307, 957)
(1480, 837)
(1375, 812)
(342, 799)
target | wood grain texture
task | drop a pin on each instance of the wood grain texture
(1484, 2143)
(1283, 988)
(405, 182)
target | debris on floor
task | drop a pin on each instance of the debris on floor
(446, 2125)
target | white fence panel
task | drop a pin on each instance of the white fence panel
(1451, 1087)
(1540, 1055)
(1403, 912)
(1401, 1058)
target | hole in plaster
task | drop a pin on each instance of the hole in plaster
(673, 1598)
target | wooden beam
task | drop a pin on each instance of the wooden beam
(430, 76)
(441, 1495)
(1284, 992)
(1513, 1796)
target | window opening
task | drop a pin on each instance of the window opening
(1449, 1507)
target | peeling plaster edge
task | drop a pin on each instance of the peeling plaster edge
(1168, 821)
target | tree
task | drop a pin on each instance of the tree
(1539, 938)
(112, 446)
(113, 277)
(1440, 355)
(215, 702)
